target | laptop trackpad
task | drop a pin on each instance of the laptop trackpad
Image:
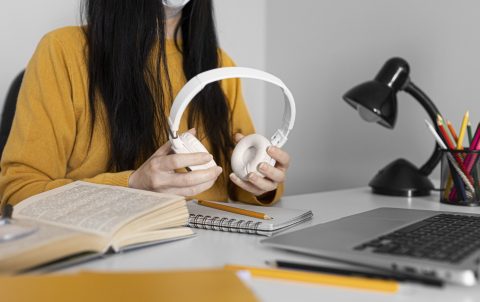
(357, 231)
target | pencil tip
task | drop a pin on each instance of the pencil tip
(268, 217)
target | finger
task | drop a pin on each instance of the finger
(192, 131)
(191, 191)
(194, 178)
(246, 185)
(165, 149)
(238, 137)
(282, 157)
(262, 183)
(182, 160)
(275, 174)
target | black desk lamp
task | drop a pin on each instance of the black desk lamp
(376, 101)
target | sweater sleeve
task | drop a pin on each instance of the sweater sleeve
(35, 158)
(242, 123)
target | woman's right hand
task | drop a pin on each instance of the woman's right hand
(158, 173)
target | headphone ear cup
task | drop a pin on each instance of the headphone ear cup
(188, 143)
(249, 153)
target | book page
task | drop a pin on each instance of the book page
(42, 235)
(45, 244)
(98, 209)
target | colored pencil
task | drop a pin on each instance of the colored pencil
(470, 159)
(442, 145)
(463, 128)
(443, 121)
(452, 131)
(474, 170)
(470, 134)
(474, 146)
(233, 209)
(448, 186)
(449, 145)
(449, 183)
(458, 184)
(459, 140)
(475, 178)
(443, 134)
(390, 286)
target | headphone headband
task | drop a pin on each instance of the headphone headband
(197, 83)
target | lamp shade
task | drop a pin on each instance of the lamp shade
(376, 100)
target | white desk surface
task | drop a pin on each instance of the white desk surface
(213, 249)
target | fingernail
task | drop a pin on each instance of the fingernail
(219, 170)
(263, 167)
(233, 176)
(252, 176)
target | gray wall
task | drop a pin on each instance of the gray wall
(23, 23)
(245, 41)
(322, 48)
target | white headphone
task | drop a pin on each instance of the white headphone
(252, 149)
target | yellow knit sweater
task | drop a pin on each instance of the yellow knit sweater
(51, 143)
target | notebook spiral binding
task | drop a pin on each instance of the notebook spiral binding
(223, 224)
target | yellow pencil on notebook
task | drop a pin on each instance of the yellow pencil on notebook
(389, 286)
(233, 209)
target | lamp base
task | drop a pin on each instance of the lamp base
(401, 178)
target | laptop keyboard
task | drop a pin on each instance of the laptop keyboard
(444, 237)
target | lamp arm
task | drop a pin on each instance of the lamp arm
(432, 111)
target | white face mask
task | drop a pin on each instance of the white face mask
(173, 7)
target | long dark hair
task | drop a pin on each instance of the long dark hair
(122, 38)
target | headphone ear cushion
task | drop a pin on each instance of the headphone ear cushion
(249, 153)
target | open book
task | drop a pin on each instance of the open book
(82, 217)
(212, 219)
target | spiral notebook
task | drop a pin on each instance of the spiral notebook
(212, 219)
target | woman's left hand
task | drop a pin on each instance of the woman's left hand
(258, 185)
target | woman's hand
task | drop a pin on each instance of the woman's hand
(158, 173)
(274, 176)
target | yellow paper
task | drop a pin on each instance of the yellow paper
(198, 286)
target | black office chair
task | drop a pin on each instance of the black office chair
(8, 111)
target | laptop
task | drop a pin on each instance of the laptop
(421, 243)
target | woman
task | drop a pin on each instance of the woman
(95, 100)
